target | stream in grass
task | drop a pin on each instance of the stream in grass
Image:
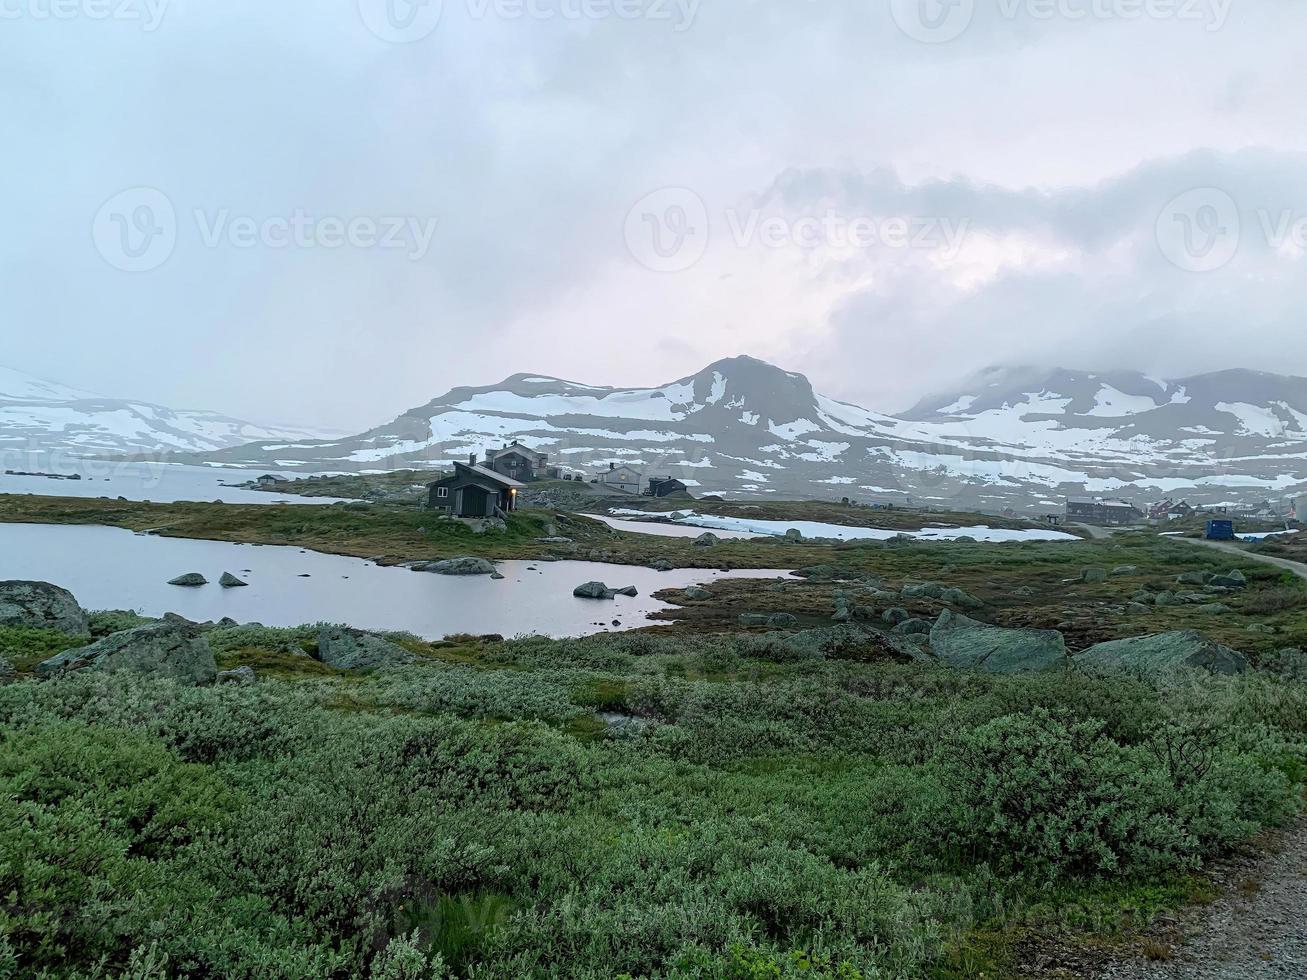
(112, 568)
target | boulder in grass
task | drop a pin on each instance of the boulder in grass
(781, 620)
(1230, 580)
(957, 597)
(753, 619)
(1121, 570)
(912, 627)
(1163, 653)
(239, 675)
(698, 593)
(7, 672)
(191, 580)
(41, 605)
(965, 643)
(707, 540)
(896, 615)
(168, 648)
(931, 590)
(350, 649)
(230, 581)
(1093, 575)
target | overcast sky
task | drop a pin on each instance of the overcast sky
(329, 212)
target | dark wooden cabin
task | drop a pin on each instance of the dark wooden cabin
(666, 486)
(518, 462)
(474, 491)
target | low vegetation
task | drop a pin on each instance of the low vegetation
(697, 807)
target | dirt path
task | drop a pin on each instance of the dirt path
(1257, 930)
(1297, 567)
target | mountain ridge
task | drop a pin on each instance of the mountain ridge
(1023, 438)
(38, 415)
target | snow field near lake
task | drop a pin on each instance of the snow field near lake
(844, 532)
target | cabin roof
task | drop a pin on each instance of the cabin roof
(517, 447)
(480, 473)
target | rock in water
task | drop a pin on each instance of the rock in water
(168, 648)
(598, 590)
(230, 581)
(190, 580)
(962, 642)
(40, 605)
(461, 566)
(350, 649)
(1163, 653)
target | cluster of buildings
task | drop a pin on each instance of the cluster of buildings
(1114, 512)
(489, 488)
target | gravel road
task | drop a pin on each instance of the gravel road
(1257, 930)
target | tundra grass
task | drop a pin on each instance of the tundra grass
(775, 814)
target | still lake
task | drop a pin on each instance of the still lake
(156, 482)
(111, 568)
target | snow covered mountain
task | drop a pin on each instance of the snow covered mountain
(42, 416)
(1011, 437)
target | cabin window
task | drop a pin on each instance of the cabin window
(442, 491)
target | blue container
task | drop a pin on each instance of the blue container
(1220, 530)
